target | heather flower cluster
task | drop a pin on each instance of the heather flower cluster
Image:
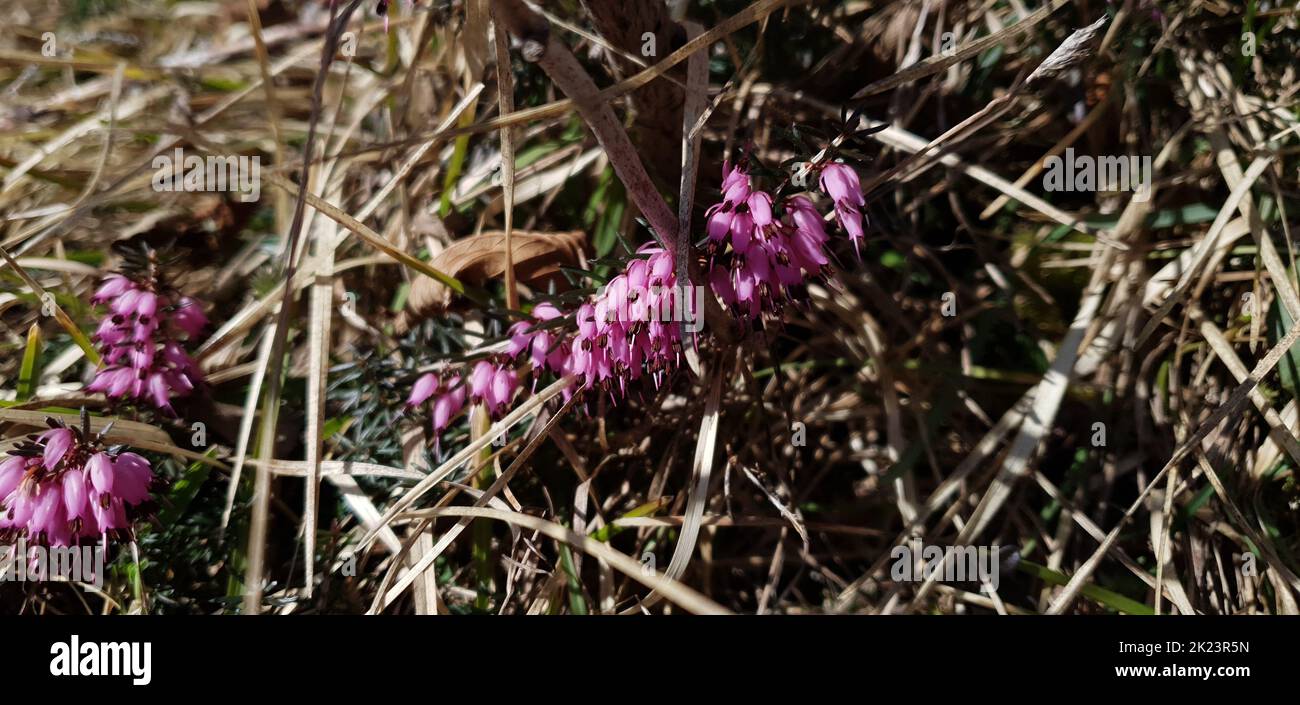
(141, 341)
(63, 486)
(629, 326)
(541, 344)
(493, 381)
(759, 256)
(626, 330)
(448, 392)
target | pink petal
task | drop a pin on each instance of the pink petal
(760, 206)
(100, 468)
(546, 311)
(520, 339)
(423, 388)
(147, 304)
(113, 286)
(480, 380)
(742, 231)
(120, 384)
(442, 412)
(47, 509)
(719, 225)
(11, 473)
(21, 505)
(57, 442)
(504, 384)
(74, 494)
(159, 391)
(133, 476)
(124, 305)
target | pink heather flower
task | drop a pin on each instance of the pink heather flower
(735, 183)
(840, 182)
(425, 387)
(808, 239)
(188, 317)
(145, 319)
(771, 254)
(63, 486)
(480, 380)
(57, 442)
(760, 208)
(631, 325)
(114, 285)
(732, 218)
(494, 383)
(760, 254)
(505, 382)
(621, 334)
(447, 406)
(448, 394)
(521, 339)
(543, 346)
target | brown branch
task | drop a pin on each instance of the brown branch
(539, 46)
(658, 104)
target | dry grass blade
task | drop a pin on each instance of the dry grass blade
(122, 429)
(506, 99)
(521, 412)
(425, 561)
(677, 593)
(1072, 52)
(935, 64)
(1233, 403)
(371, 237)
(321, 306)
(246, 427)
(1278, 429)
(1206, 246)
(329, 468)
(701, 475)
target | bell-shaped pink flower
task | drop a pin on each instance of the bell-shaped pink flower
(840, 182)
(101, 473)
(505, 382)
(424, 387)
(75, 494)
(57, 442)
(145, 318)
(760, 208)
(114, 285)
(63, 486)
(188, 316)
(132, 477)
(11, 473)
(521, 338)
(480, 380)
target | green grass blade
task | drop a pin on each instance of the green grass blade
(29, 373)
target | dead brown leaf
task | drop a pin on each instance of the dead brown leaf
(475, 260)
